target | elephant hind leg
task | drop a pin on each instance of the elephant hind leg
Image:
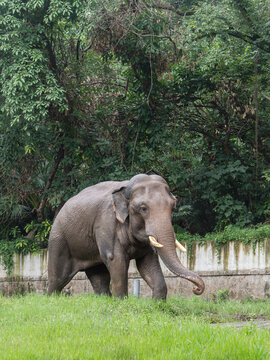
(99, 277)
(57, 285)
(60, 265)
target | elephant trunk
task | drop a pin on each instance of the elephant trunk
(169, 256)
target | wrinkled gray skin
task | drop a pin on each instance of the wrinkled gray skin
(105, 226)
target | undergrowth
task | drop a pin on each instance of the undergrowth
(249, 236)
(18, 241)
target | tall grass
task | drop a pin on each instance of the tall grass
(91, 327)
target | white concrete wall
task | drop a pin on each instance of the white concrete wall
(236, 264)
(233, 257)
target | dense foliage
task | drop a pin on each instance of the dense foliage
(101, 90)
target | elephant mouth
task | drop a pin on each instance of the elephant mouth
(155, 243)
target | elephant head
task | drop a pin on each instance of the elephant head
(146, 204)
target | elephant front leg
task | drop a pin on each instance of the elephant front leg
(117, 264)
(151, 272)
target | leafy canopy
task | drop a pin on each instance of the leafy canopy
(92, 91)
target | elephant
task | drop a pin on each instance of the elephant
(104, 226)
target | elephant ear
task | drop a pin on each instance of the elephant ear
(174, 199)
(120, 205)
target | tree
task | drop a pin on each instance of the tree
(93, 90)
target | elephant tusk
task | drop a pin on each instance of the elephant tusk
(179, 246)
(154, 242)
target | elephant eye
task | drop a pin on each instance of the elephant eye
(143, 208)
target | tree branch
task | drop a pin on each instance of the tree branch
(60, 156)
(216, 139)
(255, 39)
(168, 7)
(244, 12)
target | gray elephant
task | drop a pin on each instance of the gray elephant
(105, 226)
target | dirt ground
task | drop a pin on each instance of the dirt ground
(259, 323)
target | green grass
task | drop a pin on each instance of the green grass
(91, 327)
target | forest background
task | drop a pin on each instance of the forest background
(94, 90)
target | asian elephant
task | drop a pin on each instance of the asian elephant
(105, 226)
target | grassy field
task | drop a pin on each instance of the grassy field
(91, 327)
